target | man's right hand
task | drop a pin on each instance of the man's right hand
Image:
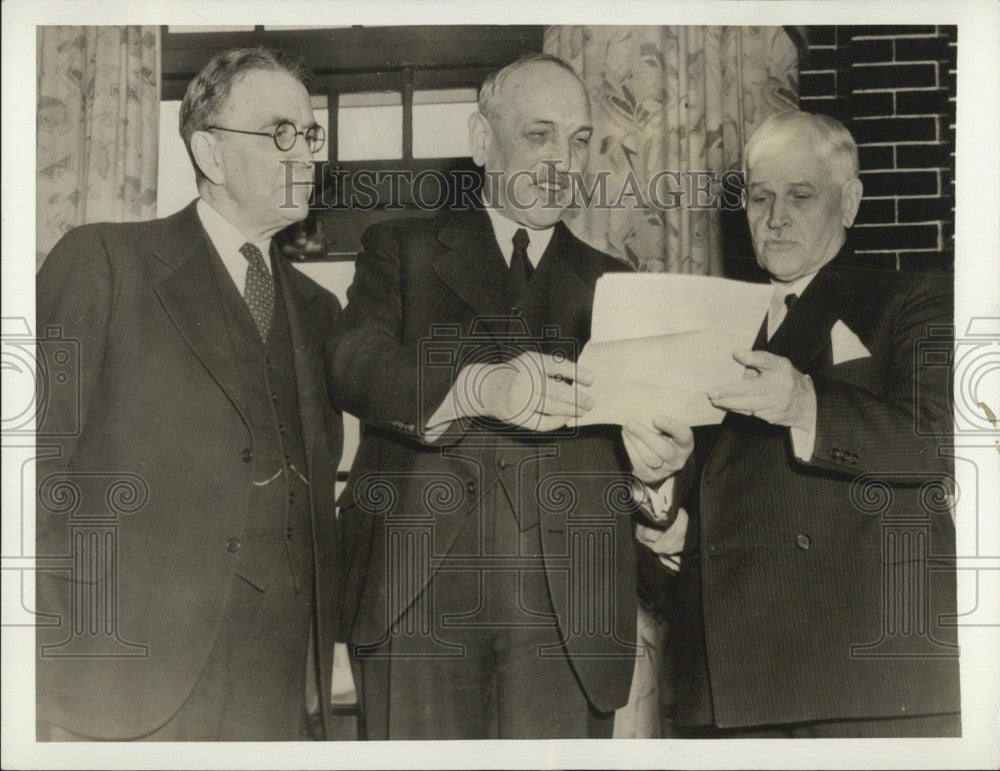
(659, 450)
(533, 391)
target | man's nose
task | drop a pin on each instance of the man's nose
(300, 150)
(561, 156)
(778, 216)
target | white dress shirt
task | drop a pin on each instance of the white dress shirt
(227, 241)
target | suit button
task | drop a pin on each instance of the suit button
(803, 541)
(471, 487)
(288, 461)
(291, 497)
(854, 459)
(233, 545)
(274, 396)
(281, 428)
(247, 455)
(502, 463)
(288, 533)
(836, 454)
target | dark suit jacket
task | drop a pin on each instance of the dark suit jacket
(159, 397)
(414, 280)
(801, 564)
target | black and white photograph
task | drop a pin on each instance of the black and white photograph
(501, 384)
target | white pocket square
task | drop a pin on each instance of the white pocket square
(846, 345)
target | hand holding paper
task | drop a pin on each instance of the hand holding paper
(658, 450)
(532, 390)
(660, 341)
(772, 390)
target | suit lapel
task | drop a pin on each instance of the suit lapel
(190, 296)
(836, 292)
(305, 348)
(566, 294)
(472, 265)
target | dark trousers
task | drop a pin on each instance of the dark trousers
(478, 656)
(253, 685)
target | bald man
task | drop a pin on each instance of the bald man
(491, 589)
(816, 597)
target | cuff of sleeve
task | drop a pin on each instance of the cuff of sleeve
(803, 439)
(443, 417)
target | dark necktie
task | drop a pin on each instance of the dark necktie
(520, 268)
(762, 336)
(259, 289)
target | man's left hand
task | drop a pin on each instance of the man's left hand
(658, 450)
(772, 390)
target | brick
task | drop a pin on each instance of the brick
(874, 105)
(893, 183)
(934, 262)
(877, 30)
(897, 236)
(933, 49)
(923, 209)
(825, 105)
(865, 51)
(876, 157)
(873, 260)
(928, 156)
(872, 130)
(817, 83)
(890, 76)
(825, 35)
(922, 102)
(821, 59)
(876, 211)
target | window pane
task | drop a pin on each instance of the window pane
(370, 126)
(441, 122)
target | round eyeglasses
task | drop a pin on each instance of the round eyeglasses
(285, 135)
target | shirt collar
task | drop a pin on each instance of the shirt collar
(796, 287)
(504, 230)
(227, 240)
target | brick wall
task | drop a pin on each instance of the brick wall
(894, 88)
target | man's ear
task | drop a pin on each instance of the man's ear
(850, 200)
(204, 148)
(479, 137)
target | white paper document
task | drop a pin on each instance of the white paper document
(659, 342)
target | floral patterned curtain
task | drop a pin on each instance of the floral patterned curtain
(98, 121)
(680, 99)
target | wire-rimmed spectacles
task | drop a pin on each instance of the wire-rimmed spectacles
(285, 135)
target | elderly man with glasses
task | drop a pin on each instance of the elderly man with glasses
(200, 390)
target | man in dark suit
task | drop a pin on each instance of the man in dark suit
(491, 591)
(186, 530)
(816, 597)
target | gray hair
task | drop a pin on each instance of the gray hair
(207, 94)
(493, 85)
(833, 144)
